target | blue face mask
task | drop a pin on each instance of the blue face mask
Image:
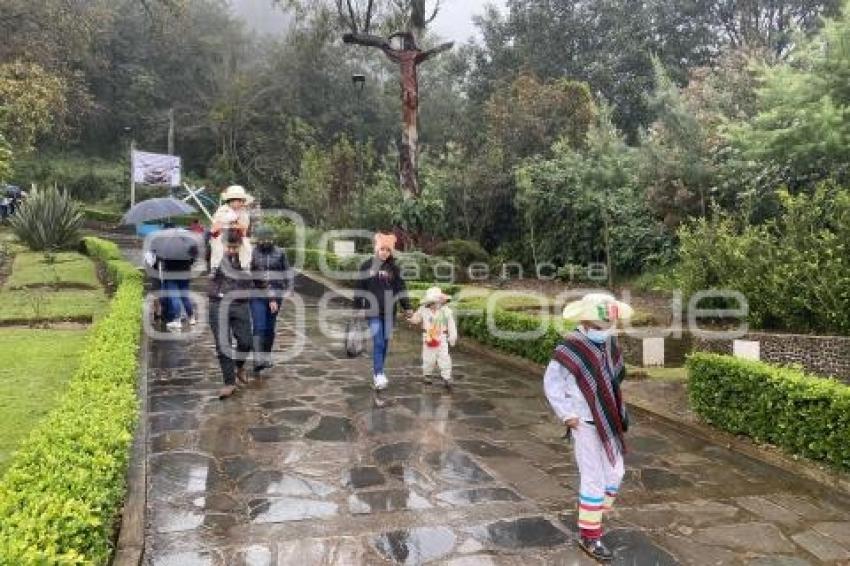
(597, 336)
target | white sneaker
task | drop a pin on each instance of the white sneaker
(193, 320)
(380, 382)
(174, 326)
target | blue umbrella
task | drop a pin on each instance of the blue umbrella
(156, 209)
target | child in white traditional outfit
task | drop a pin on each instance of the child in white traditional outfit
(582, 384)
(233, 214)
(439, 331)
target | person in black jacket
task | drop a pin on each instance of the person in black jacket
(381, 289)
(273, 280)
(229, 277)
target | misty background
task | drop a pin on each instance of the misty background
(454, 21)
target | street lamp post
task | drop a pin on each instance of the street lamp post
(128, 131)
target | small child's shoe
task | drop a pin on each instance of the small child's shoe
(596, 549)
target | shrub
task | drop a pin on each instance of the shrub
(473, 323)
(48, 220)
(102, 216)
(464, 252)
(86, 178)
(448, 289)
(313, 258)
(109, 254)
(91, 187)
(99, 249)
(806, 415)
(789, 270)
(418, 266)
(62, 493)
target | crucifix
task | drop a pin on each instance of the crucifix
(408, 57)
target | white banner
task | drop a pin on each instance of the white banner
(156, 169)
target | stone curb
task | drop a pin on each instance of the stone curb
(804, 468)
(130, 548)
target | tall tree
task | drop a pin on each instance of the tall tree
(610, 43)
(799, 134)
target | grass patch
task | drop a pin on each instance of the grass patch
(61, 494)
(40, 305)
(67, 269)
(661, 374)
(35, 366)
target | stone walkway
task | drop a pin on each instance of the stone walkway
(302, 468)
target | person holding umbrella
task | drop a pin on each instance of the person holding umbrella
(172, 253)
(230, 317)
(273, 280)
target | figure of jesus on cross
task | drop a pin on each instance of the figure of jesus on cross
(408, 58)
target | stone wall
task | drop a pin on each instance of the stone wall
(632, 349)
(675, 349)
(822, 355)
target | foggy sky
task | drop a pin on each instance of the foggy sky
(454, 22)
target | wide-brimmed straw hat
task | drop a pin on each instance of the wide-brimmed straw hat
(598, 307)
(236, 192)
(435, 295)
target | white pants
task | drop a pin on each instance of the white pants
(599, 478)
(217, 253)
(433, 358)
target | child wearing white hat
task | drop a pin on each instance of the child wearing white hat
(233, 214)
(439, 331)
(582, 384)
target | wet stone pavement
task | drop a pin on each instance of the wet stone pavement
(302, 468)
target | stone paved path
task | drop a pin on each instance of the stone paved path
(301, 469)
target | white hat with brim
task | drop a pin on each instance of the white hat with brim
(236, 192)
(597, 307)
(435, 295)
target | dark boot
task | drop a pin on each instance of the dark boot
(259, 354)
(596, 549)
(268, 344)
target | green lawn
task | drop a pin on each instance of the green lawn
(37, 305)
(35, 366)
(32, 269)
(662, 374)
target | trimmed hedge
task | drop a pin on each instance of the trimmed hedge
(312, 258)
(473, 323)
(804, 414)
(62, 494)
(447, 288)
(109, 254)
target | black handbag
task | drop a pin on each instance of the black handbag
(355, 337)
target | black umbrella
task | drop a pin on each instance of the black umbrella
(156, 209)
(174, 244)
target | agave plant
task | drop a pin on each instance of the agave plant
(48, 220)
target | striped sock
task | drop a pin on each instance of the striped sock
(610, 497)
(590, 516)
